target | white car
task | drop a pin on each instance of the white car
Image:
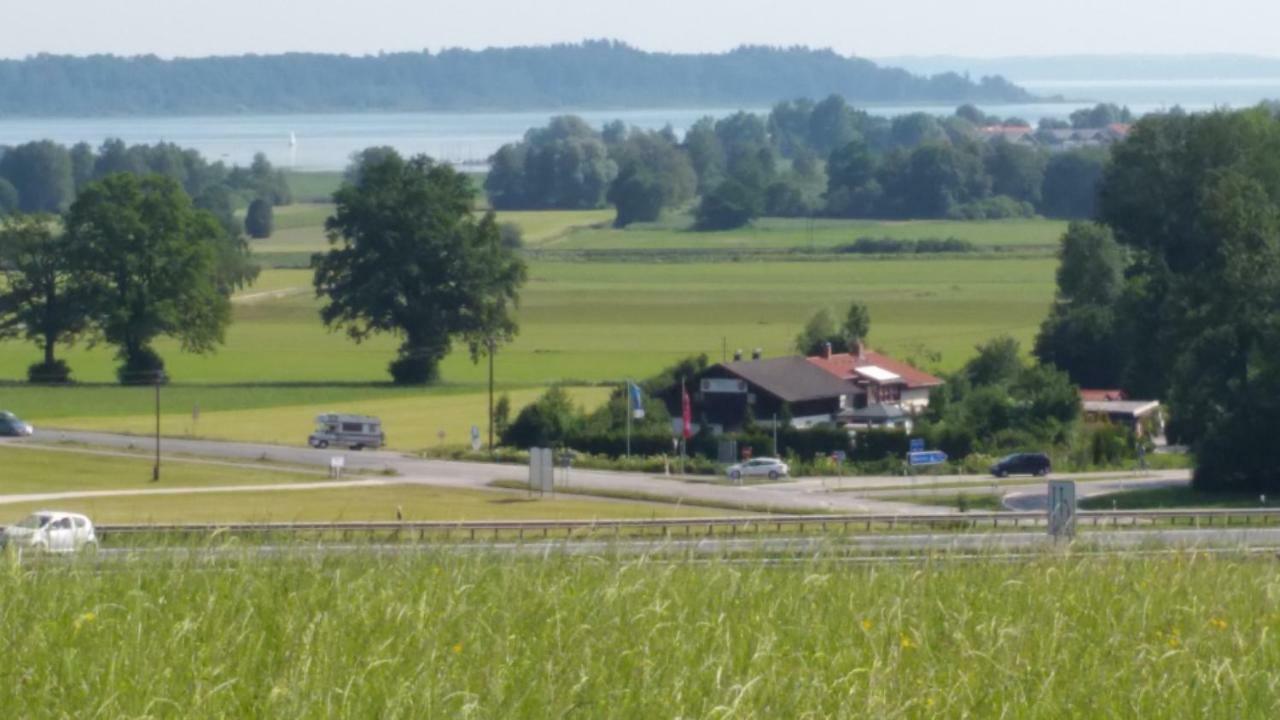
(13, 426)
(50, 531)
(772, 468)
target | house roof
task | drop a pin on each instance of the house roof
(846, 367)
(791, 379)
(1133, 408)
(1101, 394)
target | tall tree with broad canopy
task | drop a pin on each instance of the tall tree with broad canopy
(411, 259)
(149, 261)
(40, 298)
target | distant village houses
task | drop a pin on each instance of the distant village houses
(857, 389)
(1058, 139)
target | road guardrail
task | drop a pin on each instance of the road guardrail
(687, 527)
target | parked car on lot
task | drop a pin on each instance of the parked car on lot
(352, 431)
(772, 468)
(1022, 464)
(13, 426)
(51, 531)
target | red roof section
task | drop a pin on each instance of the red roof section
(1102, 395)
(842, 366)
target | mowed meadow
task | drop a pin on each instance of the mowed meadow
(585, 322)
(444, 634)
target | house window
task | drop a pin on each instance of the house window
(889, 393)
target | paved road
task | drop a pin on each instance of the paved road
(781, 498)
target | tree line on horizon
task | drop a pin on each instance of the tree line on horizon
(601, 73)
(803, 159)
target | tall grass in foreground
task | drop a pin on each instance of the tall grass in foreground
(497, 637)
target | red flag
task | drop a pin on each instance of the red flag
(686, 412)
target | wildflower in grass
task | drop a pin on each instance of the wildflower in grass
(83, 620)
(457, 649)
(1218, 623)
(906, 642)
(867, 624)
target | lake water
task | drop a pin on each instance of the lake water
(326, 141)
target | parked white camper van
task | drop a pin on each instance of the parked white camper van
(351, 431)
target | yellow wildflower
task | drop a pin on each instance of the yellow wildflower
(906, 642)
(457, 648)
(83, 620)
(866, 624)
(1218, 623)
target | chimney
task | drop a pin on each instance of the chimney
(826, 351)
(737, 355)
(756, 354)
(856, 348)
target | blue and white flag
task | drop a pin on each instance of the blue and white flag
(634, 401)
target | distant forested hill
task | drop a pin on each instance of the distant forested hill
(597, 74)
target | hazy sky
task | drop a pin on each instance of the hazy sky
(868, 28)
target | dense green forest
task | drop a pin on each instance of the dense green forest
(597, 74)
(806, 159)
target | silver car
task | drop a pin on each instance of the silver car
(772, 468)
(51, 531)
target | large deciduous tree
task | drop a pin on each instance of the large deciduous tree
(1081, 336)
(41, 299)
(41, 172)
(411, 259)
(654, 173)
(149, 260)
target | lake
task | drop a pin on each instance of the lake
(326, 141)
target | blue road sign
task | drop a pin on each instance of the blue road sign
(928, 457)
(917, 444)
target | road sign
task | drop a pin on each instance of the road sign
(1062, 508)
(475, 437)
(927, 457)
(917, 445)
(336, 464)
(838, 456)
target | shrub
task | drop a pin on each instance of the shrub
(550, 420)
(259, 221)
(141, 367)
(54, 373)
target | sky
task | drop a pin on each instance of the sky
(868, 28)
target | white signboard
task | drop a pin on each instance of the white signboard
(722, 385)
(1062, 508)
(541, 473)
(475, 437)
(336, 464)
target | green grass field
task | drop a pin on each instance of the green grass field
(415, 502)
(1172, 498)
(412, 419)
(448, 635)
(69, 469)
(56, 470)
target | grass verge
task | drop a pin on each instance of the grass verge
(486, 636)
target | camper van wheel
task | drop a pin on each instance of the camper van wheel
(322, 444)
(357, 448)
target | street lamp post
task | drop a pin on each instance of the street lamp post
(159, 380)
(492, 345)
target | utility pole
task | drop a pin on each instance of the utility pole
(155, 471)
(492, 345)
